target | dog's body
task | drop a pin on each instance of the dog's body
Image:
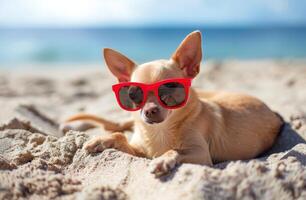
(224, 122)
(211, 127)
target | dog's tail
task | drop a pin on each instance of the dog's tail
(106, 124)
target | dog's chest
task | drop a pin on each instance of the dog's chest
(157, 141)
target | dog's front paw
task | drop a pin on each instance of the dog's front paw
(162, 165)
(99, 144)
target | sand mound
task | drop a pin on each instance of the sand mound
(38, 162)
(34, 165)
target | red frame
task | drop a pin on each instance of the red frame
(186, 82)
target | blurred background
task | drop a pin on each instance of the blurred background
(75, 31)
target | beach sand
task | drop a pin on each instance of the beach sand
(38, 161)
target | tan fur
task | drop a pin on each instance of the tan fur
(211, 127)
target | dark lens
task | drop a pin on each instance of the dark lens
(172, 94)
(131, 96)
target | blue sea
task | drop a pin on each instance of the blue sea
(144, 44)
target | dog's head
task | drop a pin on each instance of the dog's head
(184, 63)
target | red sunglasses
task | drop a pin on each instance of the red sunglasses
(171, 93)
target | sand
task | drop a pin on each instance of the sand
(38, 162)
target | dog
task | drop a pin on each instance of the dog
(211, 127)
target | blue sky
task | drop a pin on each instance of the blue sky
(84, 13)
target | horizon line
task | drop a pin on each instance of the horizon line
(177, 26)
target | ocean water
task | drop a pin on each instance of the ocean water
(145, 44)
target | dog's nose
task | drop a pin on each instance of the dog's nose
(151, 112)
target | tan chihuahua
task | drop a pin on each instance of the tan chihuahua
(211, 127)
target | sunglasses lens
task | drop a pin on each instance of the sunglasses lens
(172, 94)
(131, 97)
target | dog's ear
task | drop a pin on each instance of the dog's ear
(189, 54)
(121, 66)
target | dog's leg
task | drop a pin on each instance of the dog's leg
(115, 140)
(165, 163)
